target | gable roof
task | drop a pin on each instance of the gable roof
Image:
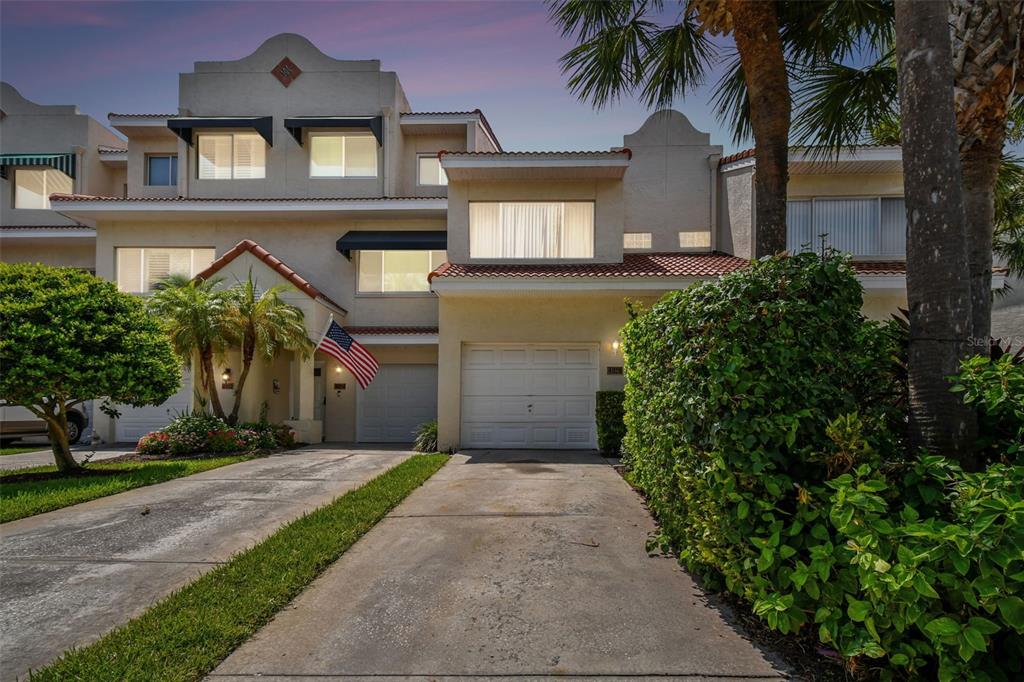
(275, 264)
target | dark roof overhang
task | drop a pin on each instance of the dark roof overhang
(183, 126)
(392, 240)
(375, 124)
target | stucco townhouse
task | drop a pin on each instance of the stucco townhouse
(489, 284)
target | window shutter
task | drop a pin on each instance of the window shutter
(129, 270)
(157, 265)
(215, 157)
(249, 157)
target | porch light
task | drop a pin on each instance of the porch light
(337, 369)
(226, 376)
(615, 346)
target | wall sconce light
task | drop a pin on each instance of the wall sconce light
(615, 346)
(226, 376)
(276, 386)
(338, 369)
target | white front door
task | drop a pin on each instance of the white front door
(136, 422)
(529, 396)
(400, 398)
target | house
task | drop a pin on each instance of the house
(490, 284)
(44, 150)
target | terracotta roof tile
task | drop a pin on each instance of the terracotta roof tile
(390, 331)
(114, 113)
(748, 153)
(607, 152)
(275, 264)
(46, 227)
(644, 265)
(103, 149)
(634, 265)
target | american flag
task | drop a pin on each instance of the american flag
(339, 345)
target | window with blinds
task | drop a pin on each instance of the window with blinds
(333, 155)
(868, 227)
(232, 156)
(387, 272)
(531, 229)
(636, 240)
(139, 269)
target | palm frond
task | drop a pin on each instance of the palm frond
(838, 106)
(610, 64)
(732, 102)
(834, 30)
(585, 19)
(677, 59)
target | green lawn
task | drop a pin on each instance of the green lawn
(18, 451)
(27, 498)
(187, 634)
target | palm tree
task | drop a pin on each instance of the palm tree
(263, 323)
(623, 48)
(937, 289)
(986, 50)
(841, 105)
(196, 315)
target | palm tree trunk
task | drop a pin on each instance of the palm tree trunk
(206, 358)
(248, 351)
(756, 31)
(986, 48)
(938, 287)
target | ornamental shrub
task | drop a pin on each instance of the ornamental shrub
(426, 437)
(610, 425)
(156, 443)
(764, 424)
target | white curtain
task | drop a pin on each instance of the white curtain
(531, 230)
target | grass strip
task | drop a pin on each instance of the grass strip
(27, 498)
(18, 451)
(188, 633)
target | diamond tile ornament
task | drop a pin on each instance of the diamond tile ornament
(286, 71)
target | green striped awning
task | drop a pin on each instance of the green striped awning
(62, 162)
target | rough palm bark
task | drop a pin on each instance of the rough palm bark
(986, 43)
(209, 380)
(938, 287)
(755, 28)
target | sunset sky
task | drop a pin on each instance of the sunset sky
(501, 57)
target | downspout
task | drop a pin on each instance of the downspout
(713, 160)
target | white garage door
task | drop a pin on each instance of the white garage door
(136, 422)
(529, 396)
(400, 398)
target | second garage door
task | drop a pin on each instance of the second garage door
(136, 422)
(400, 398)
(529, 396)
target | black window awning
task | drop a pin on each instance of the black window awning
(392, 240)
(183, 127)
(62, 162)
(375, 124)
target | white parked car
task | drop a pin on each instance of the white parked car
(18, 422)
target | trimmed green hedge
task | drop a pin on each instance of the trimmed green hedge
(610, 425)
(764, 425)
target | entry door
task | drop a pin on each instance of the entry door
(400, 398)
(529, 396)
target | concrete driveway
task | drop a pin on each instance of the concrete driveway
(504, 565)
(71, 575)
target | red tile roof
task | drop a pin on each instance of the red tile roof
(114, 113)
(545, 154)
(652, 265)
(390, 331)
(46, 227)
(645, 265)
(738, 156)
(248, 245)
(103, 149)
(90, 197)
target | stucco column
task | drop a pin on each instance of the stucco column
(449, 384)
(307, 429)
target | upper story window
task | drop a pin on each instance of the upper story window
(695, 240)
(33, 187)
(636, 240)
(139, 269)
(232, 156)
(334, 155)
(873, 227)
(531, 229)
(396, 272)
(162, 170)
(429, 171)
